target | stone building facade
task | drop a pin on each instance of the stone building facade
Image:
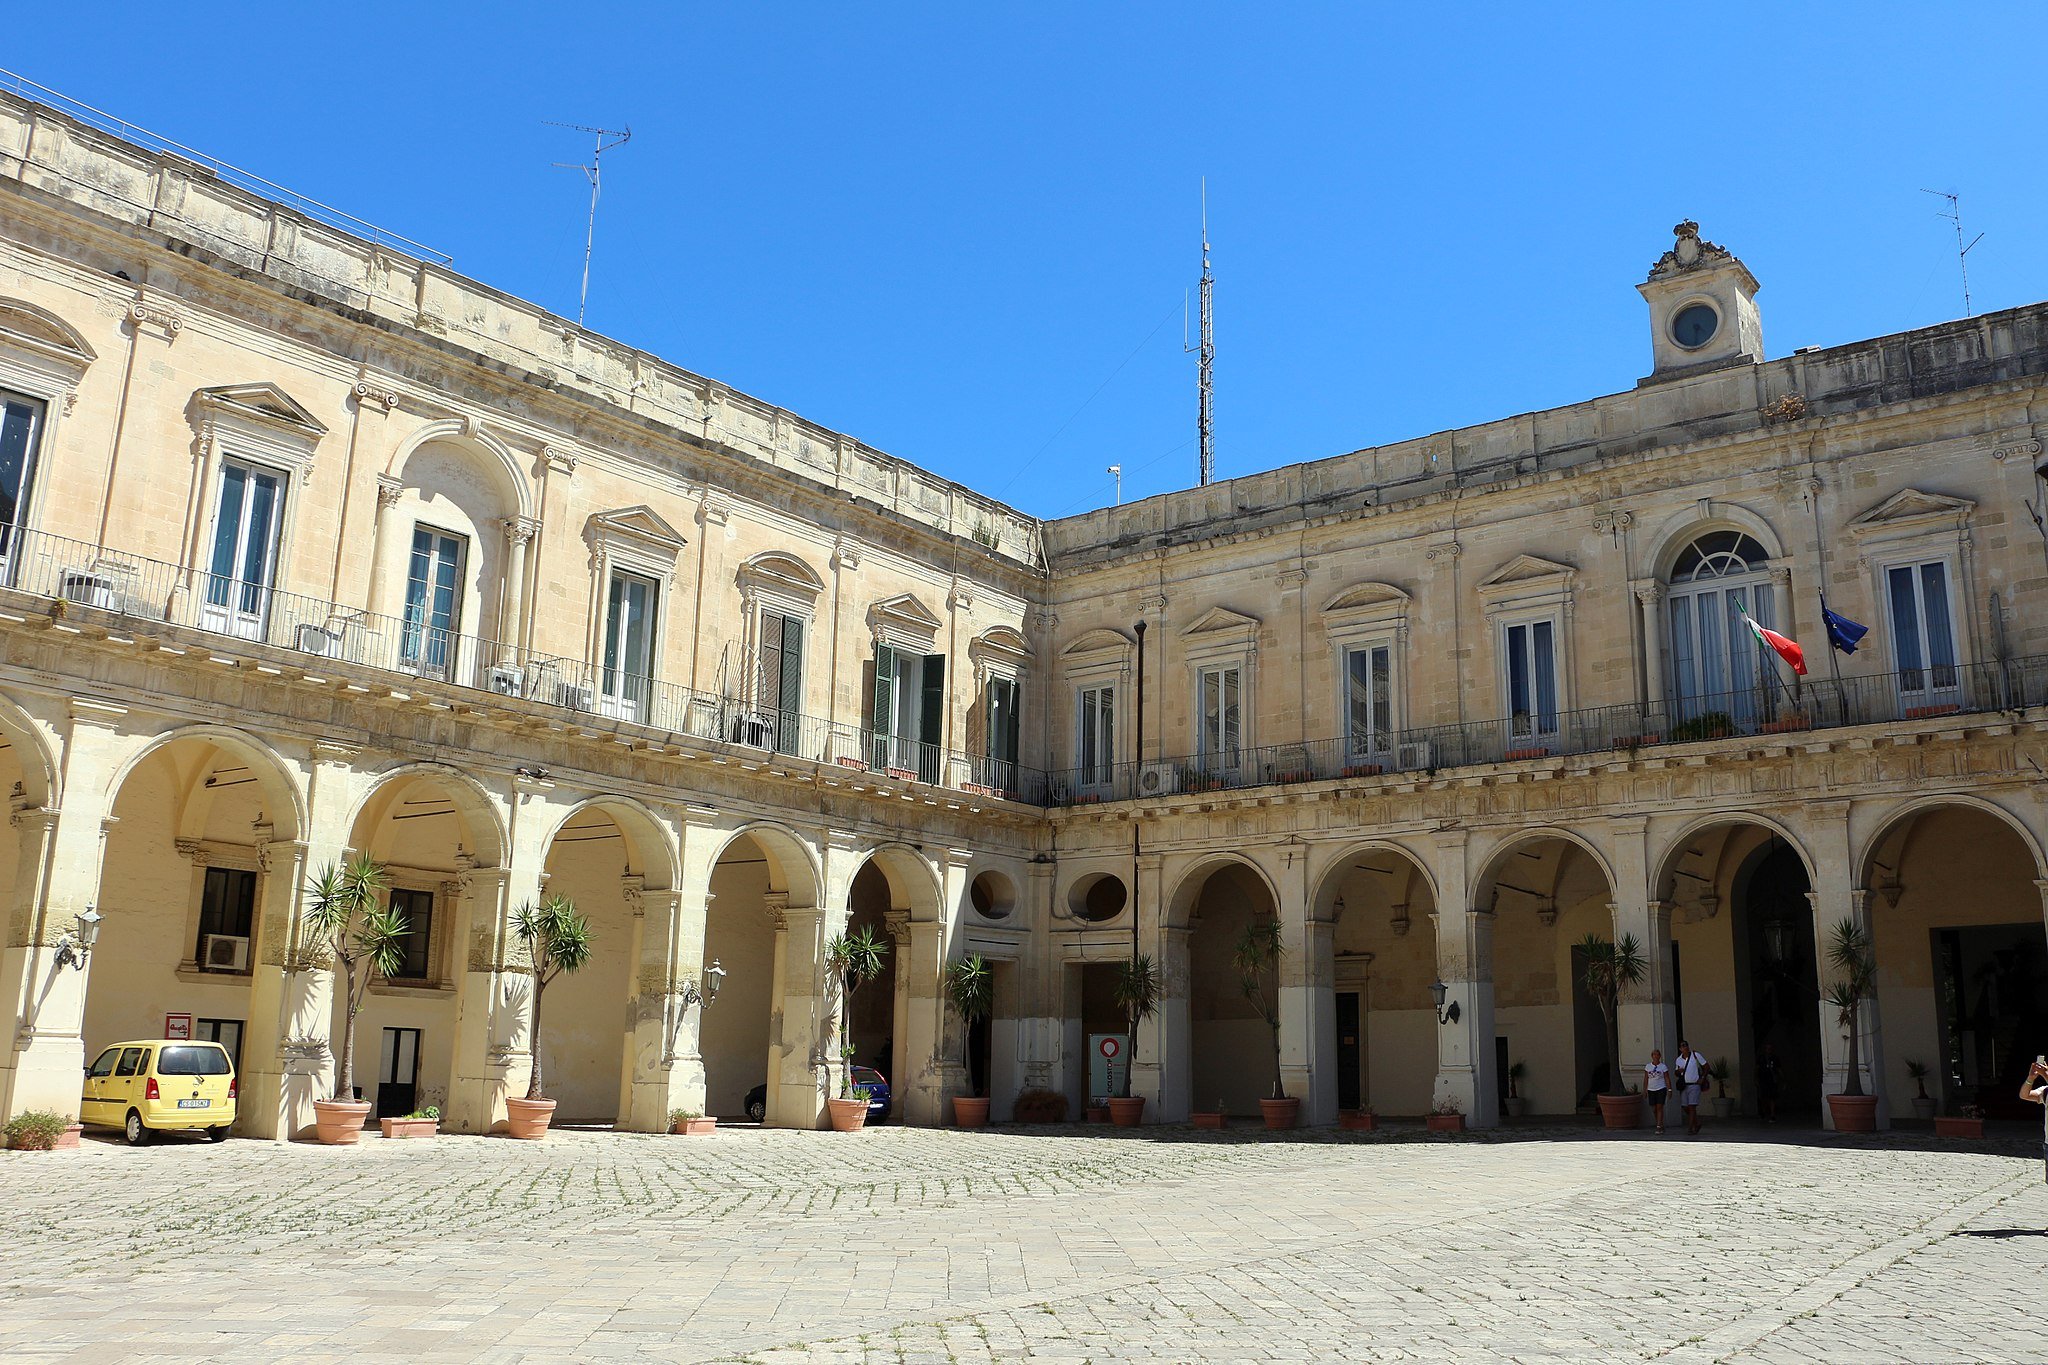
(312, 547)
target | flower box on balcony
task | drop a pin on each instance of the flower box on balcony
(1785, 725)
(1363, 770)
(1923, 712)
(1295, 775)
(1513, 754)
(1637, 741)
(904, 774)
(1088, 799)
(979, 790)
(850, 761)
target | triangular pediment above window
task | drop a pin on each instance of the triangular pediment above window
(1911, 509)
(266, 404)
(904, 621)
(1362, 598)
(1221, 621)
(641, 526)
(1529, 569)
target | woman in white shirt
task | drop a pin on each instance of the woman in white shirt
(1657, 1085)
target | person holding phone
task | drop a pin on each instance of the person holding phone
(2034, 1089)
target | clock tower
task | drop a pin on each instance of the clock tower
(1702, 308)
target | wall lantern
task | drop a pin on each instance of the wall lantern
(75, 947)
(1437, 991)
(714, 977)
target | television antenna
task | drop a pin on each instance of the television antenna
(604, 139)
(1116, 471)
(1205, 421)
(1954, 213)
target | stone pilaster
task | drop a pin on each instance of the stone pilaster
(1466, 1068)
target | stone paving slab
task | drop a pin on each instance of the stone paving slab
(1057, 1244)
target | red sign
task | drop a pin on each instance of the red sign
(1109, 1047)
(178, 1026)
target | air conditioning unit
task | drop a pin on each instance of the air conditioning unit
(226, 953)
(318, 640)
(575, 696)
(1158, 779)
(754, 729)
(89, 589)
(508, 682)
(1408, 757)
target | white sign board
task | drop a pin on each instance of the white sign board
(1108, 1056)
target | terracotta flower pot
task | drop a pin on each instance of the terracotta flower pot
(693, 1127)
(409, 1128)
(1958, 1127)
(1359, 1120)
(339, 1123)
(848, 1116)
(68, 1139)
(970, 1111)
(1127, 1113)
(1621, 1111)
(1854, 1113)
(528, 1120)
(1514, 1106)
(1446, 1123)
(1207, 1120)
(1281, 1114)
(1923, 1107)
(1098, 1113)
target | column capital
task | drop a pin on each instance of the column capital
(390, 488)
(520, 530)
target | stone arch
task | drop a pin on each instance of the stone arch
(471, 799)
(781, 569)
(39, 781)
(1904, 811)
(37, 328)
(653, 847)
(284, 800)
(913, 886)
(1187, 890)
(1491, 866)
(484, 449)
(1680, 530)
(1325, 880)
(1675, 847)
(792, 866)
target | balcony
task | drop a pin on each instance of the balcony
(1768, 710)
(91, 578)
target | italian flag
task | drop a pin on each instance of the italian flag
(1788, 650)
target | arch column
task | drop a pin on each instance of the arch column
(1650, 598)
(493, 1005)
(1466, 1070)
(385, 550)
(277, 1086)
(511, 625)
(1306, 996)
(664, 1069)
(801, 1074)
(1649, 1018)
(1835, 897)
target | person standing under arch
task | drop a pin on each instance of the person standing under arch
(1693, 1076)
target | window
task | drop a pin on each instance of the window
(433, 602)
(629, 646)
(780, 691)
(21, 422)
(1368, 698)
(245, 526)
(416, 908)
(191, 1061)
(1095, 753)
(226, 1032)
(909, 711)
(1001, 702)
(1715, 663)
(1531, 676)
(131, 1061)
(1922, 633)
(227, 911)
(104, 1066)
(1221, 709)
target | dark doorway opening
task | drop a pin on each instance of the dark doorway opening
(1992, 992)
(1589, 1037)
(398, 1075)
(1350, 1051)
(1777, 981)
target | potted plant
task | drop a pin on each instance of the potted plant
(1612, 969)
(1850, 955)
(1968, 1124)
(1136, 991)
(1514, 1104)
(1208, 1118)
(558, 940)
(1923, 1103)
(690, 1123)
(41, 1130)
(1258, 961)
(1723, 1107)
(1359, 1120)
(348, 927)
(1097, 1110)
(422, 1122)
(851, 961)
(970, 990)
(1445, 1116)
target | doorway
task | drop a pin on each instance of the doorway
(398, 1073)
(1991, 984)
(1777, 977)
(1350, 1050)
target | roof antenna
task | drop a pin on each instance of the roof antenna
(619, 138)
(1954, 213)
(1206, 418)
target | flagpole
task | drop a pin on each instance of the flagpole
(1820, 549)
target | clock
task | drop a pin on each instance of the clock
(1695, 325)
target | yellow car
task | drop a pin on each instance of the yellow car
(155, 1085)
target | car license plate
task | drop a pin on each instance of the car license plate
(194, 1104)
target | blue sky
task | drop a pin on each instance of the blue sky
(963, 233)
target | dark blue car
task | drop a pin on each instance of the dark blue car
(878, 1095)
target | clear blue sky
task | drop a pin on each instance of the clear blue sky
(943, 228)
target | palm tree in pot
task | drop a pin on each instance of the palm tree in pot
(1612, 970)
(1923, 1103)
(1855, 965)
(1257, 959)
(348, 926)
(851, 961)
(558, 940)
(1136, 992)
(970, 990)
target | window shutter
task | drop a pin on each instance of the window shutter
(768, 691)
(931, 714)
(791, 696)
(882, 714)
(1009, 695)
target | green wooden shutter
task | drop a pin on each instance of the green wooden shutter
(882, 712)
(792, 698)
(931, 718)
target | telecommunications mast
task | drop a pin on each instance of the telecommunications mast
(619, 137)
(1205, 421)
(1954, 213)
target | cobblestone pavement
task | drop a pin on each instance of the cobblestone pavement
(1063, 1244)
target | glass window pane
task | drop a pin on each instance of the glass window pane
(1905, 623)
(227, 532)
(1546, 675)
(1684, 661)
(1382, 691)
(1941, 644)
(17, 437)
(1518, 670)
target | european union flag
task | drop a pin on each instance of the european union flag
(1843, 633)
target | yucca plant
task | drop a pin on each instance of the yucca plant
(1850, 954)
(558, 939)
(350, 926)
(1257, 959)
(1612, 971)
(1136, 992)
(970, 990)
(852, 960)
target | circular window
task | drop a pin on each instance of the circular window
(1098, 898)
(992, 895)
(1695, 325)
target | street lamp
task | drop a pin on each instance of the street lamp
(1437, 991)
(75, 947)
(714, 977)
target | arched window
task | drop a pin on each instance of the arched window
(1714, 659)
